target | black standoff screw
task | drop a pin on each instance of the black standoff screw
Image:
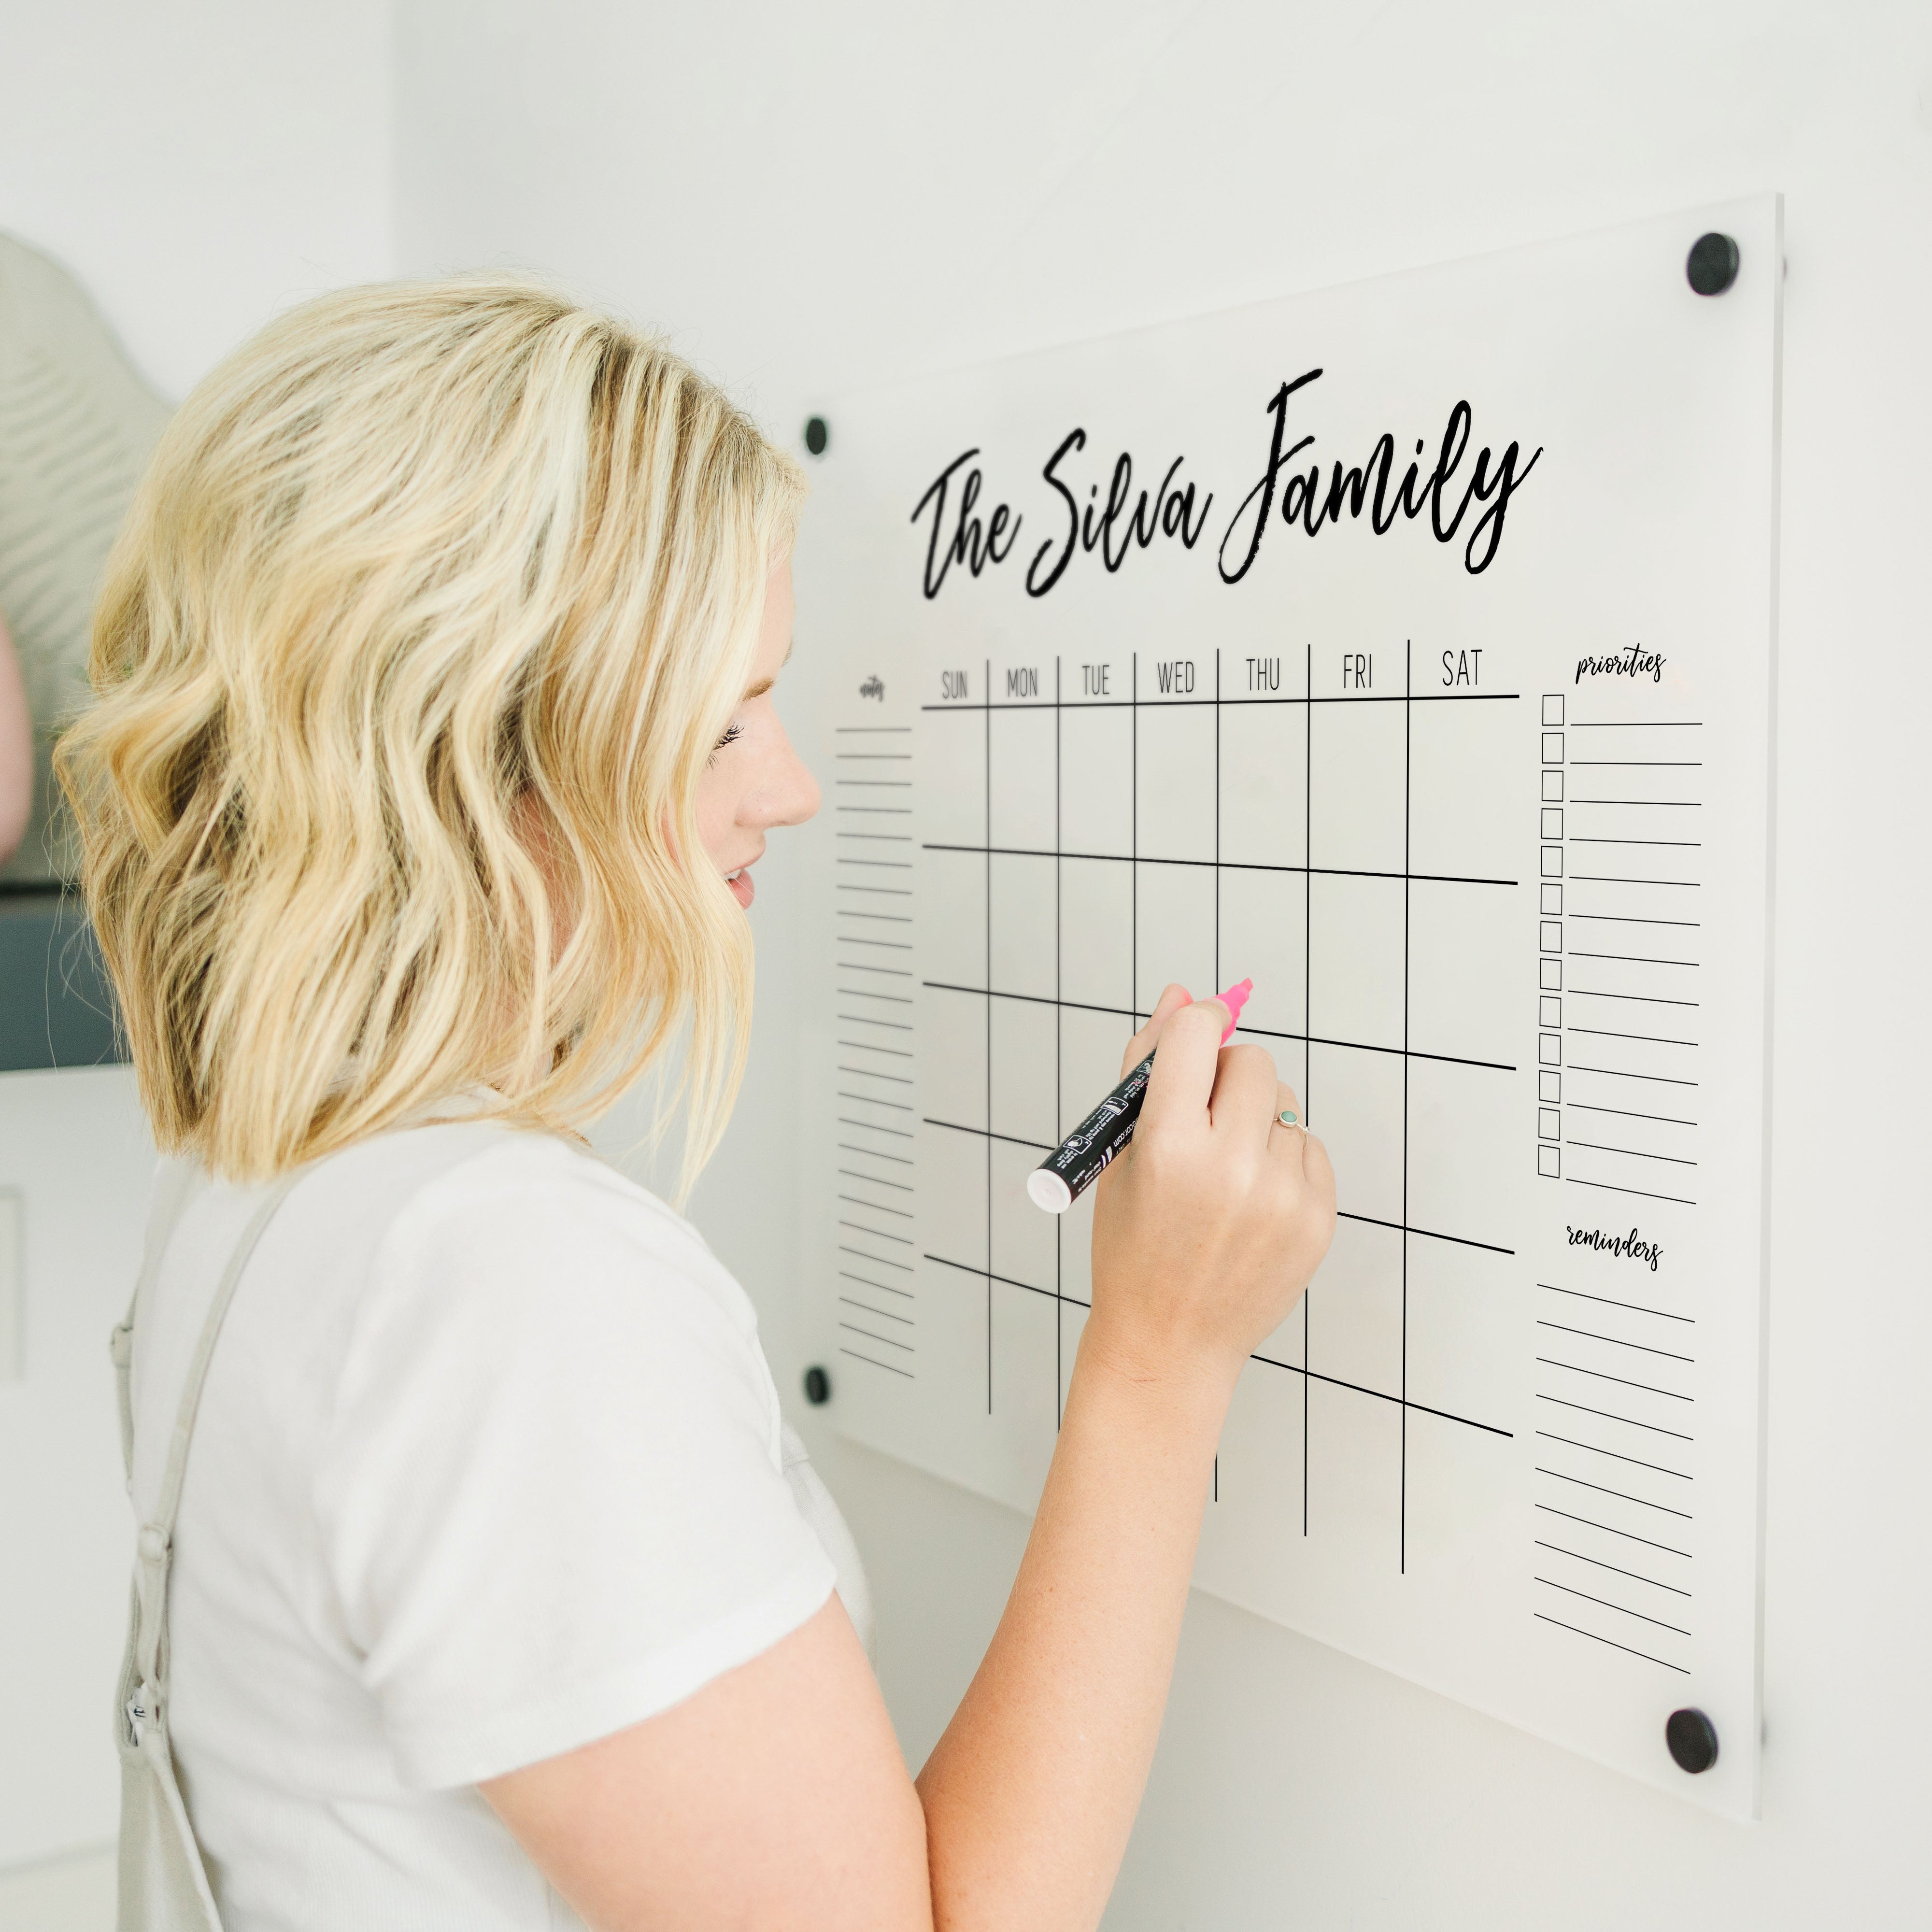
(817, 434)
(1693, 1740)
(1712, 266)
(817, 1386)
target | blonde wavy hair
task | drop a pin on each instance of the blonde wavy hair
(436, 600)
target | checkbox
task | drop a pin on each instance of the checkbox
(1549, 1162)
(1549, 1011)
(1550, 975)
(1549, 1088)
(1552, 787)
(1553, 748)
(1549, 936)
(1548, 1122)
(1553, 821)
(1553, 707)
(1549, 1048)
(1552, 862)
(1552, 901)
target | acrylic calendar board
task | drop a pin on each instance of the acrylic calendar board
(1407, 647)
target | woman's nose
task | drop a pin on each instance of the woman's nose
(789, 794)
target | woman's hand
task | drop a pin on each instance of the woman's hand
(1208, 1227)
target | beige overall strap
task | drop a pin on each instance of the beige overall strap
(158, 1532)
(170, 1194)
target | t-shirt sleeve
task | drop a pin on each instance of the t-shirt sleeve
(553, 1495)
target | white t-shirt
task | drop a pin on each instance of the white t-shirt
(489, 1465)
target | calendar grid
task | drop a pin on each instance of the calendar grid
(1000, 911)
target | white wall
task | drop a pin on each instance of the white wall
(199, 165)
(819, 198)
(196, 166)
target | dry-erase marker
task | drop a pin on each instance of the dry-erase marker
(1076, 1163)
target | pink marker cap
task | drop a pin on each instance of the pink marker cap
(1234, 999)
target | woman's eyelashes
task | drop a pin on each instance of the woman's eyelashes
(731, 732)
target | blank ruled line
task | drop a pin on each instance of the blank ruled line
(883, 1314)
(1677, 1629)
(883, 1260)
(877, 1179)
(1633, 918)
(1592, 1635)
(1610, 1301)
(1648, 1039)
(1598, 1449)
(1628, 1114)
(1610, 1415)
(898, 1133)
(875, 1153)
(878, 1207)
(1635, 1153)
(875, 1362)
(852, 1327)
(1647, 999)
(1650, 1388)
(1635, 1576)
(1591, 1335)
(1624, 1073)
(1629, 1536)
(884, 1287)
(1622, 1495)
(877, 1233)
(1642, 1194)
(1632, 959)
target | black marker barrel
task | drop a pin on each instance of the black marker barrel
(1081, 1158)
(1079, 1161)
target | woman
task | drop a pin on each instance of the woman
(435, 740)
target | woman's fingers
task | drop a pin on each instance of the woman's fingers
(1184, 1068)
(1142, 1044)
(1245, 1087)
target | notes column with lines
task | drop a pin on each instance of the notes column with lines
(1615, 1555)
(874, 919)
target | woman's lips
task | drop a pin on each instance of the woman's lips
(741, 888)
